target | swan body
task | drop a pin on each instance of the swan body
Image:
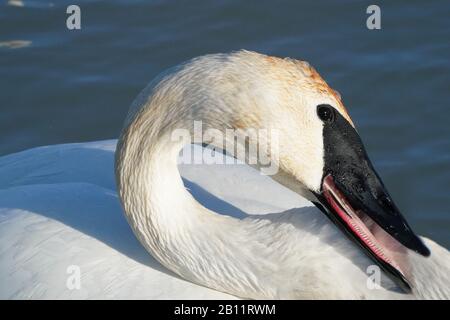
(55, 214)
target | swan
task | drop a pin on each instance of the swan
(248, 236)
(319, 156)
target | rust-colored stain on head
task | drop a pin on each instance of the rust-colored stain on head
(287, 70)
(272, 60)
(323, 87)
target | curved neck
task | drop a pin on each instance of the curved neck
(194, 242)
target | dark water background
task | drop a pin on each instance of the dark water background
(71, 86)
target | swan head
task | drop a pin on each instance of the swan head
(321, 156)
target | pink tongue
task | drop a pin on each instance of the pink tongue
(375, 238)
(382, 237)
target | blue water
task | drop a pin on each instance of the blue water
(65, 86)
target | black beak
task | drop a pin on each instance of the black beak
(352, 194)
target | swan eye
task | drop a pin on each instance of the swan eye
(325, 112)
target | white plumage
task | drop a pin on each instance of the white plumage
(59, 206)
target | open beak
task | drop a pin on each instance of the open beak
(353, 196)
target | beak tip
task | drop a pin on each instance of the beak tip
(421, 248)
(425, 251)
